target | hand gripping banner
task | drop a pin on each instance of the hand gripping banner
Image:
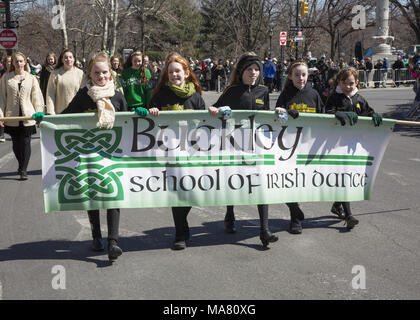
(194, 159)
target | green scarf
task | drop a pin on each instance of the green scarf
(183, 93)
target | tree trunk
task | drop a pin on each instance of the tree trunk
(115, 7)
(65, 40)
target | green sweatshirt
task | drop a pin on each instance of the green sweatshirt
(136, 95)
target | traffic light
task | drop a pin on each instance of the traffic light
(304, 8)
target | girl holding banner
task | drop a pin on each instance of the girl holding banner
(245, 92)
(100, 95)
(347, 105)
(178, 89)
(298, 96)
(20, 95)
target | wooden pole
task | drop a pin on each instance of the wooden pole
(402, 122)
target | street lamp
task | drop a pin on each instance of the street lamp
(270, 34)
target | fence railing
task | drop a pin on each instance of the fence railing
(382, 76)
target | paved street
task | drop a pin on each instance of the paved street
(319, 264)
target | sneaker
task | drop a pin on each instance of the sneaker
(339, 211)
(351, 222)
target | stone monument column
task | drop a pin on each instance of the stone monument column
(381, 48)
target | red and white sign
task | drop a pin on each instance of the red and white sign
(283, 38)
(8, 39)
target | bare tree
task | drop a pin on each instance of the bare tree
(410, 9)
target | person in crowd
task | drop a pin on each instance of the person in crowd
(99, 94)
(246, 92)
(347, 104)
(368, 67)
(136, 82)
(298, 96)
(377, 75)
(47, 68)
(7, 64)
(155, 74)
(63, 84)
(178, 89)
(220, 76)
(384, 71)
(396, 66)
(20, 95)
(116, 65)
(269, 71)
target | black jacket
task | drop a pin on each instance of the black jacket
(340, 102)
(165, 99)
(243, 97)
(82, 103)
(305, 100)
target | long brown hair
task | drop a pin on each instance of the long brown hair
(60, 62)
(290, 71)
(143, 80)
(187, 69)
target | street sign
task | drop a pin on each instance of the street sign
(283, 38)
(12, 24)
(296, 28)
(8, 39)
(297, 38)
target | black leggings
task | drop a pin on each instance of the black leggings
(22, 150)
(182, 230)
(262, 212)
(113, 221)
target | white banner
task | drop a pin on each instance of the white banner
(192, 158)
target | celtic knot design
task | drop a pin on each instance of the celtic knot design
(90, 180)
(75, 142)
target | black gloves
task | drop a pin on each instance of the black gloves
(377, 119)
(351, 116)
(293, 113)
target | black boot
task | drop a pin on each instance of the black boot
(230, 220)
(97, 245)
(182, 230)
(296, 216)
(350, 221)
(265, 235)
(338, 210)
(114, 251)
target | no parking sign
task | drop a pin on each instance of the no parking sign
(8, 39)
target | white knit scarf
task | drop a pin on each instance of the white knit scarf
(101, 96)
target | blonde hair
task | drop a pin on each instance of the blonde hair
(18, 53)
(101, 56)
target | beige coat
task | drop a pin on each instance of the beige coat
(62, 87)
(29, 98)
